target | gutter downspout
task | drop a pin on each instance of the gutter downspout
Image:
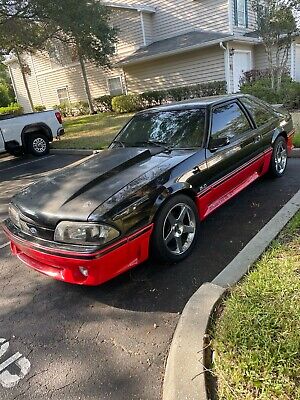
(227, 66)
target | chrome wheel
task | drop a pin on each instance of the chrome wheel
(179, 229)
(280, 158)
(39, 145)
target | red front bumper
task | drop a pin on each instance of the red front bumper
(102, 266)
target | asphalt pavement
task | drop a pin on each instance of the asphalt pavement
(111, 341)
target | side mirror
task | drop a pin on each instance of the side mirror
(215, 144)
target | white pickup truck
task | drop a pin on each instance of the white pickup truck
(29, 133)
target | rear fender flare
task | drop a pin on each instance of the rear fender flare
(34, 128)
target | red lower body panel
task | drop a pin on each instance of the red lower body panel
(224, 189)
(102, 267)
(290, 140)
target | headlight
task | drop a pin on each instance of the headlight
(84, 233)
(14, 215)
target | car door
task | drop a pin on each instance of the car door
(230, 150)
(265, 120)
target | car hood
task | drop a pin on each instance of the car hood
(75, 192)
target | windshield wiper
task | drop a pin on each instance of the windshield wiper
(155, 143)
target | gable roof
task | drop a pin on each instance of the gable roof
(177, 44)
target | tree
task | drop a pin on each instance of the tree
(6, 90)
(277, 27)
(28, 25)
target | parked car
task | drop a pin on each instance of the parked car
(29, 133)
(167, 170)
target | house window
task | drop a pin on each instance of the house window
(115, 86)
(63, 95)
(241, 13)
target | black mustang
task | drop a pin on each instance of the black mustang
(166, 170)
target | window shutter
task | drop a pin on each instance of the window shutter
(246, 14)
(235, 13)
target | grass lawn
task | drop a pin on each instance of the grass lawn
(97, 131)
(91, 131)
(257, 337)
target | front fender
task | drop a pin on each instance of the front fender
(168, 192)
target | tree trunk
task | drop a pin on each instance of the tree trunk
(86, 85)
(25, 80)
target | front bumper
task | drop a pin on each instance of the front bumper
(101, 266)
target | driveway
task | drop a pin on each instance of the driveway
(111, 342)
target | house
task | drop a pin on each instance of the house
(162, 44)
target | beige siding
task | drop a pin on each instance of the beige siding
(69, 77)
(188, 69)
(20, 86)
(173, 18)
(261, 59)
(297, 62)
(98, 79)
(148, 27)
(130, 36)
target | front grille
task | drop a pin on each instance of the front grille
(28, 226)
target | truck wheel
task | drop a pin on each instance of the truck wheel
(38, 144)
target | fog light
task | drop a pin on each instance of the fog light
(84, 271)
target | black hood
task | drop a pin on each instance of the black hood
(76, 192)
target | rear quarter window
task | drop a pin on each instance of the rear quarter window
(259, 112)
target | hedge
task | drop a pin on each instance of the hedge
(39, 108)
(127, 103)
(136, 102)
(103, 103)
(258, 83)
(12, 109)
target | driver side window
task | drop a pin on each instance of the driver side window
(229, 121)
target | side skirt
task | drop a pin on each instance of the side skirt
(226, 188)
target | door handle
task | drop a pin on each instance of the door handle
(257, 138)
(196, 170)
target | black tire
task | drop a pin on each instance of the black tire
(38, 144)
(278, 169)
(164, 252)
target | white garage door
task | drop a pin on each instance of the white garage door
(297, 63)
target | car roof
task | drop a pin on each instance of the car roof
(195, 103)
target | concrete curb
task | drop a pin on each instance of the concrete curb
(185, 370)
(76, 152)
(295, 153)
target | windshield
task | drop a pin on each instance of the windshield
(172, 129)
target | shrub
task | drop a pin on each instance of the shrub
(64, 108)
(39, 108)
(103, 103)
(135, 102)
(127, 103)
(12, 109)
(5, 96)
(153, 98)
(259, 85)
(80, 108)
